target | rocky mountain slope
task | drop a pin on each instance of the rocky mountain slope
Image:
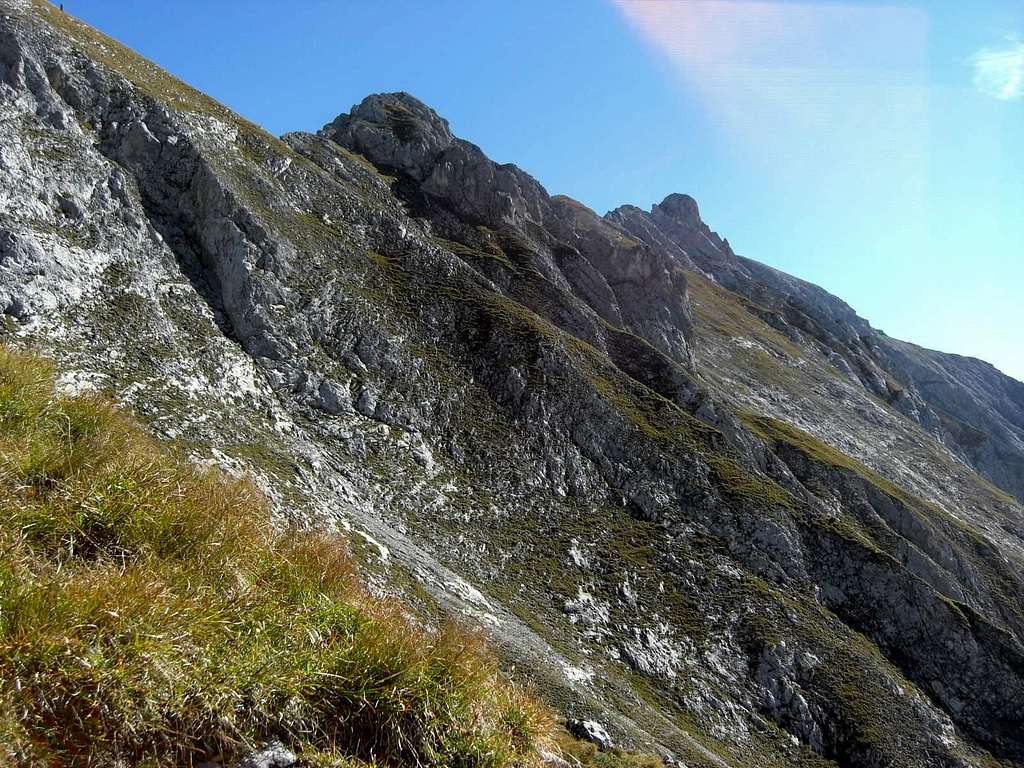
(701, 504)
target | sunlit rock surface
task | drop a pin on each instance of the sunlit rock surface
(707, 508)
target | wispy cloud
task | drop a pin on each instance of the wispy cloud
(999, 72)
(831, 91)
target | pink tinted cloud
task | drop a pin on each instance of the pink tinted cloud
(802, 88)
(740, 34)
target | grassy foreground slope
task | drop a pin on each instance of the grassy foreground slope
(150, 613)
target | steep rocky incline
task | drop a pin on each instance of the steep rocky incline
(560, 260)
(699, 503)
(973, 410)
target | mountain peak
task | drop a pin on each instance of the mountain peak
(394, 130)
(680, 207)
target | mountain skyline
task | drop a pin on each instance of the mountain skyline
(866, 148)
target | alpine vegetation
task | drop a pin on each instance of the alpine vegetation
(150, 613)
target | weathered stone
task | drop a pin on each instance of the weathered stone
(592, 731)
(272, 755)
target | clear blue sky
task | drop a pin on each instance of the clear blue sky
(875, 149)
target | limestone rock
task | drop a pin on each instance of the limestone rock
(591, 731)
(272, 755)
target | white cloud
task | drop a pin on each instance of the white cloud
(999, 72)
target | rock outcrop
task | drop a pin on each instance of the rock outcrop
(699, 502)
(558, 257)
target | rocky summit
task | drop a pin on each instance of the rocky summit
(706, 509)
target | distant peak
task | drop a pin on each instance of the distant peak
(623, 210)
(396, 130)
(396, 109)
(679, 207)
(573, 203)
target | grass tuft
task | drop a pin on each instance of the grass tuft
(149, 613)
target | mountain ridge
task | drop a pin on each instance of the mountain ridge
(663, 495)
(915, 398)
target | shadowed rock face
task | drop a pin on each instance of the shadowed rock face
(702, 504)
(396, 131)
(580, 265)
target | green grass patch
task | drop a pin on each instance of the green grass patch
(731, 315)
(585, 755)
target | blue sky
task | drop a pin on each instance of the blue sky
(876, 149)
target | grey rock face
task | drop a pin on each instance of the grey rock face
(570, 258)
(780, 672)
(973, 409)
(553, 424)
(373, 126)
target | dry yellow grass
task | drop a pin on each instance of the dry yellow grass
(149, 613)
